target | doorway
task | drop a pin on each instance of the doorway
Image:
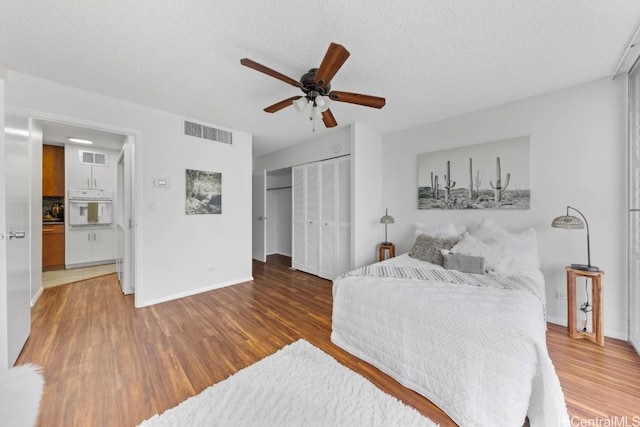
(89, 168)
(279, 212)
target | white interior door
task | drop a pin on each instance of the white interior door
(299, 240)
(126, 221)
(15, 320)
(259, 209)
(328, 220)
(634, 208)
(312, 196)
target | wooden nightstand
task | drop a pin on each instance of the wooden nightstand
(386, 250)
(597, 333)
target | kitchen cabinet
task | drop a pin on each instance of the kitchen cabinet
(90, 245)
(322, 217)
(52, 171)
(93, 170)
(53, 247)
(90, 177)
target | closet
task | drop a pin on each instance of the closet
(322, 217)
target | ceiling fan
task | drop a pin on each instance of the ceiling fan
(316, 85)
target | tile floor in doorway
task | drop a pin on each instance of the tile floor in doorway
(62, 277)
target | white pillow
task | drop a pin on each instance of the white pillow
(440, 231)
(523, 247)
(471, 245)
(519, 249)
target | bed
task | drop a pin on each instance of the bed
(472, 343)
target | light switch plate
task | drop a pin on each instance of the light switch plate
(161, 182)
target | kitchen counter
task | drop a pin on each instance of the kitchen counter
(52, 221)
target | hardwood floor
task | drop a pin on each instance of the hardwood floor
(109, 364)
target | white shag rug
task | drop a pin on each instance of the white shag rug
(20, 393)
(299, 385)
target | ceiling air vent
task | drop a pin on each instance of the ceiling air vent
(207, 132)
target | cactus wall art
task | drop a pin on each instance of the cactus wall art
(496, 176)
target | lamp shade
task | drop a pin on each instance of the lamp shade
(387, 219)
(567, 221)
(574, 223)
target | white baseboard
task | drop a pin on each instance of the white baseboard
(607, 333)
(278, 253)
(36, 296)
(194, 292)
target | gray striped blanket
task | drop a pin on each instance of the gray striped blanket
(449, 276)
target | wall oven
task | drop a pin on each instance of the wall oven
(90, 208)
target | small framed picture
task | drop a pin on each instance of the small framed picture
(204, 192)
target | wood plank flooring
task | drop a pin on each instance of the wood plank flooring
(109, 364)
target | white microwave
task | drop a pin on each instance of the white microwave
(86, 208)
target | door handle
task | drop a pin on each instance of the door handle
(262, 218)
(17, 235)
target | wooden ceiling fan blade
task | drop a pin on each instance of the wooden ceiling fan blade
(328, 119)
(270, 72)
(334, 58)
(357, 98)
(282, 104)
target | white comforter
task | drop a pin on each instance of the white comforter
(477, 352)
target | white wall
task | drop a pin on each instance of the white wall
(578, 158)
(279, 221)
(334, 144)
(176, 254)
(366, 197)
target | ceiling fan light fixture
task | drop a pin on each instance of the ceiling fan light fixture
(322, 102)
(300, 103)
(316, 86)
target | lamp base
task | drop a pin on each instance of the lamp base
(584, 267)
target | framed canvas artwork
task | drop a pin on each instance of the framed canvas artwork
(492, 175)
(204, 192)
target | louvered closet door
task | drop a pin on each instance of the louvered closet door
(328, 220)
(343, 235)
(312, 219)
(634, 207)
(299, 249)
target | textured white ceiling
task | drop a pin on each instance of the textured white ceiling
(431, 59)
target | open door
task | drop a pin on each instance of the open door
(259, 209)
(126, 224)
(15, 301)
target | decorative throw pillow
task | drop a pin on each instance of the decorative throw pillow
(427, 248)
(471, 245)
(464, 263)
